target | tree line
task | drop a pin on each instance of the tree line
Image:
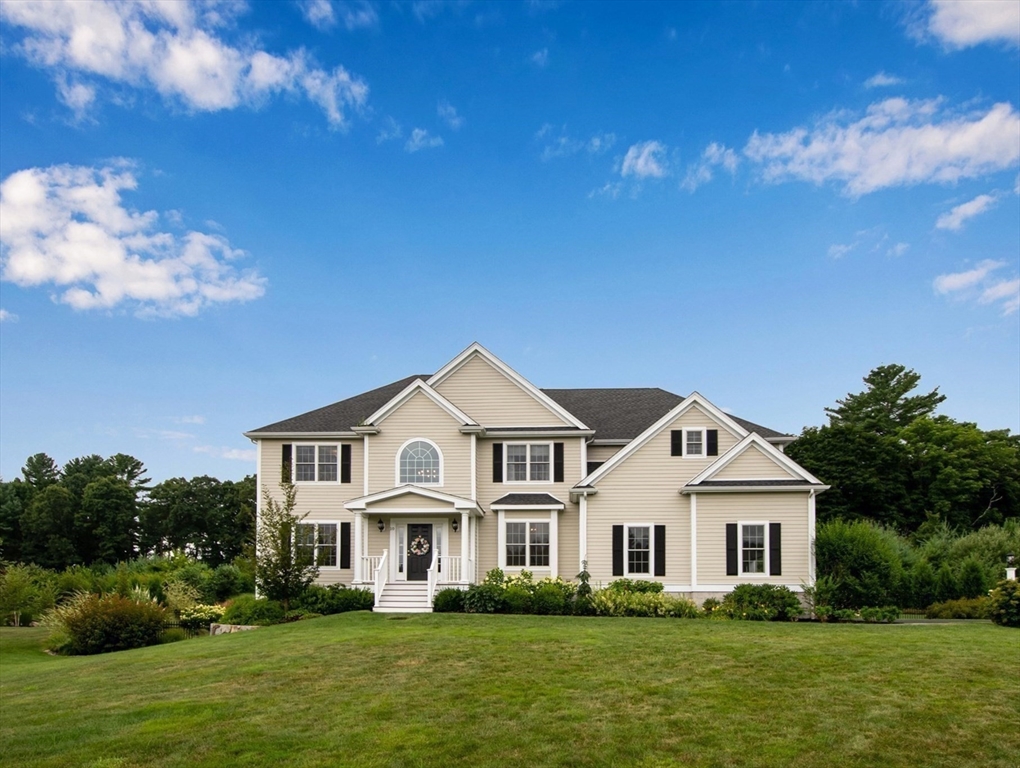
(97, 510)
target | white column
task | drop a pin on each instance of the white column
(582, 531)
(694, 541)
(473, 576)
(811, 536)
(501, 538)
(474, 467)
(464, 521)
(554, 543)
(364, 468)
(359, 523)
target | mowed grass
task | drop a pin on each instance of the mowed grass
(369, 690)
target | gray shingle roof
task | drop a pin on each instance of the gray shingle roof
(614, 414)
(623, 414)
(527, 499)
(341, 416)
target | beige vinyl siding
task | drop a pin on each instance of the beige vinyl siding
(488, 492)
(420, 417)
(715, 510)
(753, 464)
(645, 488)
(491, 399)
(602, 452)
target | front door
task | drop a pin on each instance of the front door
(419, 551)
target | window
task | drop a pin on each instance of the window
(528, 462)
(316, 543)
(527, 544)
(752, 548)
(315, 463)
(639, 549)
(695, 442)
(420, 463)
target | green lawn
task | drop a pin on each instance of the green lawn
(438, 690)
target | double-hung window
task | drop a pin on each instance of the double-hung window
(315, 463)
(695, 442)
(527, 544)
(316, 543)
(528, 462)
(752, 548)
(639, 549)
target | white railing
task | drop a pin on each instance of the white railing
(451, 569)
(368, 565)
(433, 577)
(380, 574)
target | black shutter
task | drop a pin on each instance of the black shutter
(285, 466)
(775, 549)
(676, 442)
(497, 462)
(660, 550)
(731, 549)
(618, 550)
(593, 465)
(345, 545)
(557, 462)
(712, 438)
(345, 463)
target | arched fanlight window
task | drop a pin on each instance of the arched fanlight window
(420, 463)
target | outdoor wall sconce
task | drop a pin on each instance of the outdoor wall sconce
(455, 525)
(381, 525)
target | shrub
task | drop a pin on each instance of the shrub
(582, 605)
(964, 608)
(548, 600)
(761, 602)
(180, 595)
(862, 560)
(946, 585)
(336, 598)
(247, 609)
(710, 605)
(635, 586)
(1004, 603)
(227, 581)
(484, 598)
(198, 576)
(608, 602)
(172, 636)
(884, 615)
(972, 579)
(922, 583)
(25, 593)
(871, 615)
(200, 616)
(88, 624)
(517, 599)
(450, 600)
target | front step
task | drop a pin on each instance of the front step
(404, 597)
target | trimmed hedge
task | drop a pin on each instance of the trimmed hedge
(760, 602)
(250, 610)
(336, 598)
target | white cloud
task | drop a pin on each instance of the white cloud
(540, 58)
(701, 172)
(448, 114)
(980, 285)
(839, 250)
(318, 13)
(391, 130)
(898, 250)
(76, 96)
(359, 15)
(882, 80)
(223, 452)
(420, 139)
(174, 48)
(610, 190)
(7, 317)
(963, 23)
(66, 226)
(645, 159)
(897, 143)
(955, 218)
(600, 142)
(565, 145)
(191, 420)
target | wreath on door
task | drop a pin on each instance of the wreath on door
(419, 546)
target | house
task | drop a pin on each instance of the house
(433, 480)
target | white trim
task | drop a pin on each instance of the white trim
(465, 521)
(501, 539)
(294, 462)
(552, 521)
(527, 461)
(258, 495)
(694, 539)
(740, 549)
(649, 574)
(458, 502)
(811, 537)
(359, 523)
(337, 544)
(721, 587)
(703, 431)
(477, 349)
(754, 488)
(474, 467)
(753, 438)
(299, 435)
(554, 544)
(399, 454)
(679, 410)
(582, 531)
(408, 392)
(584, 460)
(526, 507)
(364, 468)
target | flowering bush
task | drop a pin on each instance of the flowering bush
(639, 586)
(199, 616)
(760, 602)
(608, 602)
(1004, 602)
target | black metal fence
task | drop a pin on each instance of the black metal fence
(189, 629)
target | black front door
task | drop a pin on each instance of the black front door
(419, 551)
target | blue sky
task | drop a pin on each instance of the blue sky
(216, 215)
